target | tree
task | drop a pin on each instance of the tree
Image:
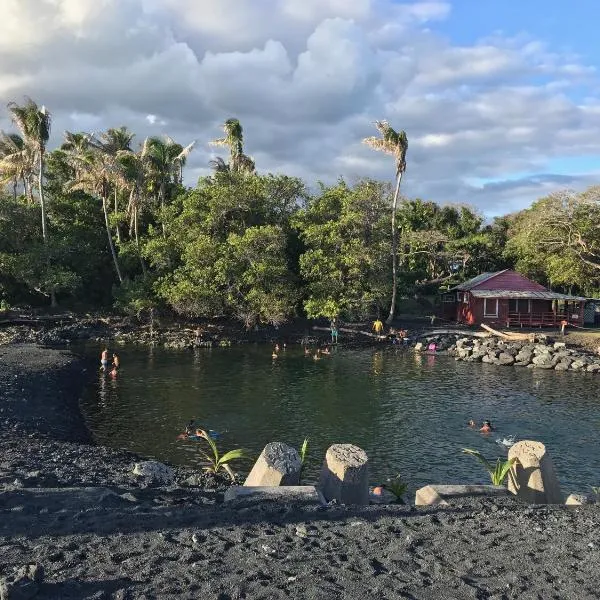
(34, 124)
(557, 240)
(96, 171)
(343, 265)
(164, 159)
(16, 163)
(234, 140)
(396, 144)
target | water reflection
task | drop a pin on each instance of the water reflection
(409, 411)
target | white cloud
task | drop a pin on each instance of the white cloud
(307, 78)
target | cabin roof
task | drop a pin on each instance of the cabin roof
(525, 295)
(475, 281)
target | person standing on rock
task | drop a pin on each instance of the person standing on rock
(104, 359)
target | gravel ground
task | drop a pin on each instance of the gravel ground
(76, 510)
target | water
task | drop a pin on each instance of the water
(409, 412)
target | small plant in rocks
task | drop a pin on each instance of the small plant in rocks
(497, 472)
(397, 487)
(216, 461)
(596, 491)
(303, 455)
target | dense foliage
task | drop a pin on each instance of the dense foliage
(105, 222)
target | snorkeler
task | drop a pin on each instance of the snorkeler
(486, 427)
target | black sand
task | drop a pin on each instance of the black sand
(75, 509)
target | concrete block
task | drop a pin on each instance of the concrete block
(444, 495)
(345, 474)
(577, 500)
(284, 493)
(278, 464)
(532, 477)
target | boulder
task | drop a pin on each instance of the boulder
(444, 495)
(22, 584)
(532, 477)
(505, 359)
(593, 368)
(345, 474)
(562, 366)
(154, 472)
(278, 464)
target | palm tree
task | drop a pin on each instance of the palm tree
(164, 159)
(112, 141)
(97, 173)
(134, 173)
(16, 163)
(394, 143)
(234, 140)
(34, 124)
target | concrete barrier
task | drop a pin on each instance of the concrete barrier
(532, 478)
(345, 474)
(278, 464)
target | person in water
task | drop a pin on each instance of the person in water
(115, 361)
(486, 427)
(113, 373)
(306, 351)
(276, 347)
(471, 423)
(104, 359)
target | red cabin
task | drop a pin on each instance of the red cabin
(508, 298)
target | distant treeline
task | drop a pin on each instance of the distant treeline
(103, 222)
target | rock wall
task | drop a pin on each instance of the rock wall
(543, 353)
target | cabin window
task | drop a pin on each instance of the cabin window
(519, 306)
(448, 298)
(459, 297)
(466, 298)
(490, 307)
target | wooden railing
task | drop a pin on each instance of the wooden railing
(536, 319)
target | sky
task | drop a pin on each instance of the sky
(500, 100)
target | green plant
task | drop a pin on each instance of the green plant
(396, 486)
(303, 455)
(216, 461)
(497, 472)
(596, 491)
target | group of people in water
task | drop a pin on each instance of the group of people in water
(104, 362)
(486, 427)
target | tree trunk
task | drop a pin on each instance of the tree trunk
(110, 241)
(394, 251)
(42, 201)
(137, 241)
(116, 212)
(15, 184)
(162, 208)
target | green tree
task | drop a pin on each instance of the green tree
(396, 144)
(344, 266)
(34, 124)
(234, 140)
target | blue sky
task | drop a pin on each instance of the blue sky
(500, 100)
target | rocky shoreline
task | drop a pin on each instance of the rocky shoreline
(541, 352)
(96, 531)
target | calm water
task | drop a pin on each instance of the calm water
(407, 411)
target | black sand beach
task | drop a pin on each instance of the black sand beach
(76, 509)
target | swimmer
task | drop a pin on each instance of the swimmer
(486, 427)
(274, 355)
(307, 351)
(115, 361)
(325, 350)
(471, 423)
(113, 373)
(276, 347)
(104, 359)
(316, 356)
